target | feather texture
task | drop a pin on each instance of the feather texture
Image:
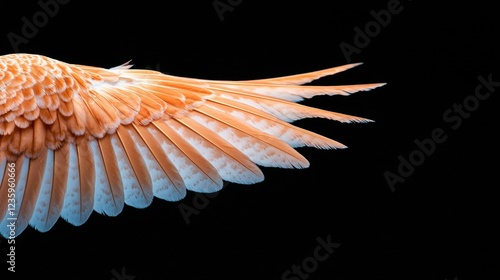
(76, 139)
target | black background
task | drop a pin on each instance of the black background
(437, 224)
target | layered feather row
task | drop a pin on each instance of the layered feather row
(98, 139)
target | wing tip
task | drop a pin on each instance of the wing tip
(352, 65)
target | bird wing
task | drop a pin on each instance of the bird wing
(78, 138)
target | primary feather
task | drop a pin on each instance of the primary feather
(75, 138)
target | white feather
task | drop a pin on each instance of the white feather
(39, 218)
(162, 186)
(12, 216)
(104, 200)
(229, 169)
(131, 188)
(75, 211)
(194, 178)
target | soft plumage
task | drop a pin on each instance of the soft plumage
(78, 138)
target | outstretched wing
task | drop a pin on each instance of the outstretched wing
(78, 138)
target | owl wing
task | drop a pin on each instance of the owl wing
(78, 138)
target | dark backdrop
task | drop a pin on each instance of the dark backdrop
(434, 220)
